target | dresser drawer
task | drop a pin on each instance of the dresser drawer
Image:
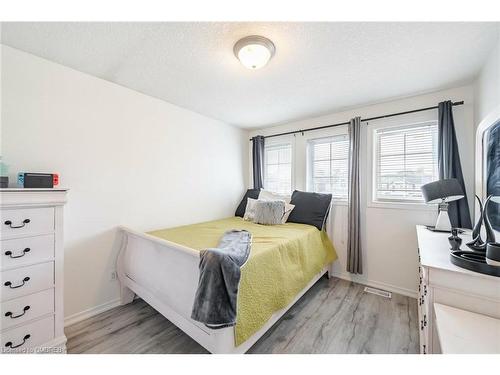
(27, 221)
(18, 252)
(26, 280)
(28, 336)
(22, 309)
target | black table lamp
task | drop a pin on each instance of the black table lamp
(441, 192)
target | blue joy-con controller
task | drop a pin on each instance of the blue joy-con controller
(20, 179)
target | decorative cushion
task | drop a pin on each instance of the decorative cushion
(266, 195)
(310, 208)
(269, 212)
(251, 193)
(250, 210)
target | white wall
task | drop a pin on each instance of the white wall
(487, 85)
(127, 158)
(487, 101)
(390, 257)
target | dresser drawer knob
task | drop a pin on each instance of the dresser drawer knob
(9, 284)
(9, 253)
(12, 346)
(9, 223)
(12, 316)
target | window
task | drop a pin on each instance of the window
(278, 168)
(328, 165)
(405, 159)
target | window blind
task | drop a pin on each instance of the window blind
(278, 168)
(405, 159)
(328, 165)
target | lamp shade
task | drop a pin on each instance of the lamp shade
(448, 190)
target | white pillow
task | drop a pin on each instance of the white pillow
(266, 195)
(250, 209)
(288, 210)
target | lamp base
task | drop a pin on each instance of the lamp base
(434, 229)
(443, 221)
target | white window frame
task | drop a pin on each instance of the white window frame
(396, 122)
(275, 141)
(309, 163)
(311, 135)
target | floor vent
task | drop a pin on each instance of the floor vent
(378, 292)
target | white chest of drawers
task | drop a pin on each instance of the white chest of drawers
(444, 283)
(31, 270)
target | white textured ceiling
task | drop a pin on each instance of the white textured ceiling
(318, 67)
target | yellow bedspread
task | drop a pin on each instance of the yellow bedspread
(283, 260)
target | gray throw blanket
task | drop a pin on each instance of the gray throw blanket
(215, 302)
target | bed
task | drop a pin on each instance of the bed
(161, 267)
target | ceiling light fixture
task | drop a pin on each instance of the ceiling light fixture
(254, 51)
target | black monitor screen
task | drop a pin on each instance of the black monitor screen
(493, 173)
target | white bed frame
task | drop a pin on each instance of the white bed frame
(165, 275)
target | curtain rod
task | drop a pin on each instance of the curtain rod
(363, 119)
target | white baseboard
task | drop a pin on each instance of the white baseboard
(376, 284)
(89, 313)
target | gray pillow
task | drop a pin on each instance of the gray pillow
(269, 212)
(310, 208)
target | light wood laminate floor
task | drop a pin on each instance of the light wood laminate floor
(334, 316)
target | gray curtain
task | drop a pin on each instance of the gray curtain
(449, 164)
(258, 161)
(354, 234)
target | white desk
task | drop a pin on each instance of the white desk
(441, 282)
(464, 332)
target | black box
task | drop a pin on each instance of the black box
(38, 180)
(4, 181)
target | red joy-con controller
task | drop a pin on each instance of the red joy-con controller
(55, 179)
